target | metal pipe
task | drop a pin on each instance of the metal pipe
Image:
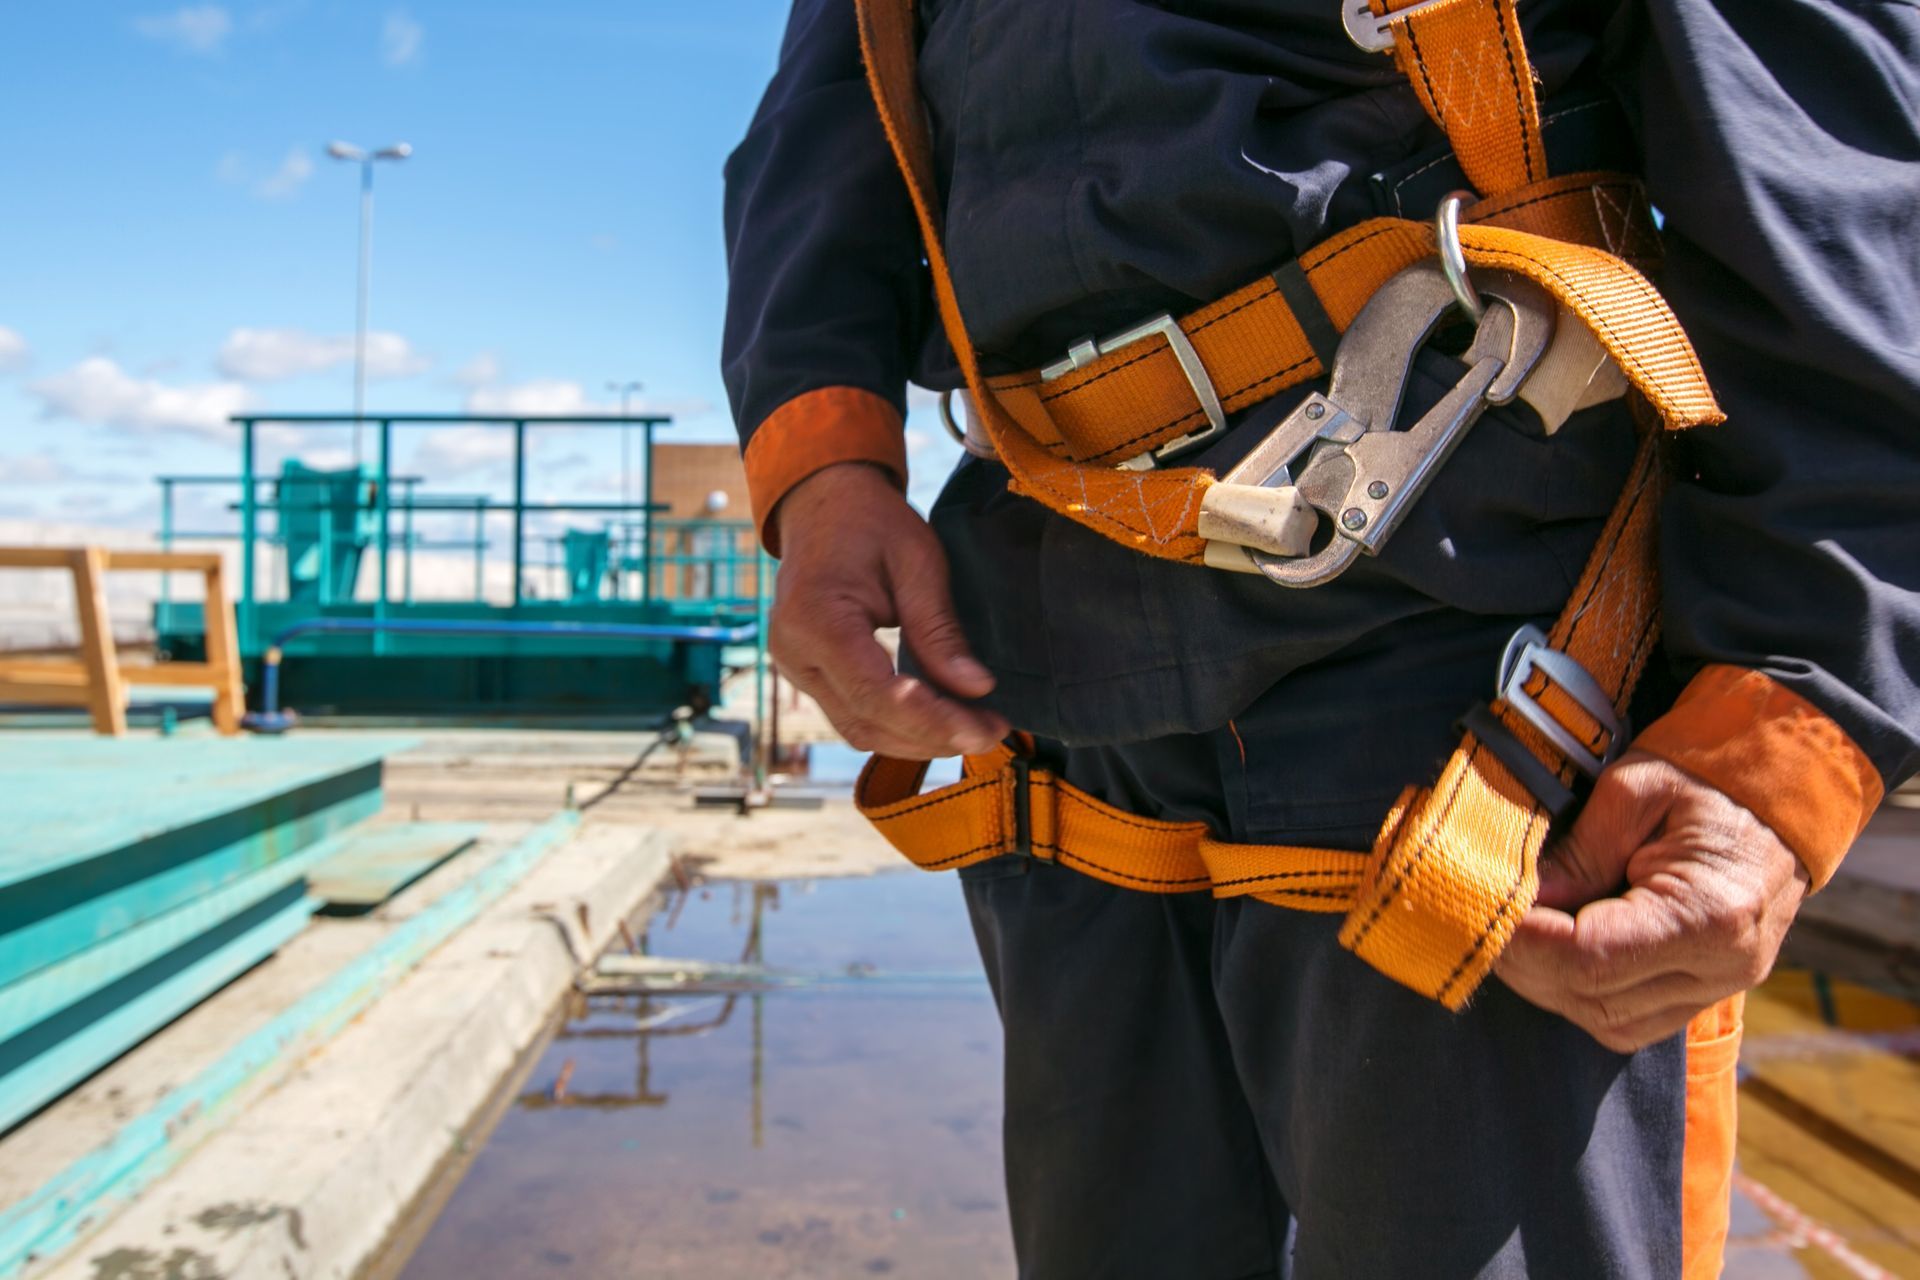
(519, 508)
(248, 530)
(690, 633)
(382, 503)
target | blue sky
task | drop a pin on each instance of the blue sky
(175, 244)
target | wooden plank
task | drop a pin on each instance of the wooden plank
(146, 1146)
(223, 653)
(109, 701)
(46, 695)
(159, 561)
(43, 671)
(371, 864)
(1878, 1220)
(197, 675)
(37, 557)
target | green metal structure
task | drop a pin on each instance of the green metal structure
(570, 630)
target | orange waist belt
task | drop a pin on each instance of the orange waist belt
(1453, 869)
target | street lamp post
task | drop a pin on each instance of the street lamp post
(626, 390)
(366, 160)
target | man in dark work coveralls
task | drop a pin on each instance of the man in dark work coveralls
(1201, 1088)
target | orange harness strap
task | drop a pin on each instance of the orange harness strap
(1454, 866)
(1000, 806)
(1453, 869)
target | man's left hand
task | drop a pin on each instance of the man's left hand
(1666, 897)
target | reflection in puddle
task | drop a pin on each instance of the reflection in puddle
(849, 1125)
(839, 1129)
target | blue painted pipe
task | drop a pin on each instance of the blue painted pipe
(271, 720)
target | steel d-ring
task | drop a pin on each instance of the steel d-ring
(954, 429)
(1453, 261)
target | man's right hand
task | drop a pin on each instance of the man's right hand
(855, 557)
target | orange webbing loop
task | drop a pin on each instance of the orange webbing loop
(977, 818)
(1454, 867)
(1468, 65)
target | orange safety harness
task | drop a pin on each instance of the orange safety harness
(1454, 867)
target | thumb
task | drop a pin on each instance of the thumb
(928, 628)
(1590, 861)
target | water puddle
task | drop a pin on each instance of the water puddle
(845, 1121)
(840, 1128)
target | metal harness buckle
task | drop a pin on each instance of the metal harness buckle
(1371, 33)
(1339, 451)
(1527, 653)
(1087, 350)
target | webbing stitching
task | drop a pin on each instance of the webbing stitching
(955, 857)
(1155, 351)
(1355, 873)
(1068, 855)
(1240, 391)
(1333, 895)
(1156, 826)
(985, 780)
(1479, 943)
(1420, 61)
(1406, 868)
(1513, 75)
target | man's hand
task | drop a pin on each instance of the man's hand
(855, 557)
(1710, 891)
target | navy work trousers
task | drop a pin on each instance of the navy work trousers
(1215, 1090)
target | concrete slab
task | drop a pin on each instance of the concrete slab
(310, 1178)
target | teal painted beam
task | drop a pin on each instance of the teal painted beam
(45, 1060)
(62, 914)
(373, 865)
(71, 800)
(84, 1193)
(46, 991)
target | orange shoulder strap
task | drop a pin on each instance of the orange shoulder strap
(1468, 65)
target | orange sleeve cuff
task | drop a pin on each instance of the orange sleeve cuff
(1776, 753)
(814, 431)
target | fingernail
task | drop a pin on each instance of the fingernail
(968, 669)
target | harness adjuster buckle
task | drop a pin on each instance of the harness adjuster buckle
(1022, 770)
(1527, 654)
(1087, 350)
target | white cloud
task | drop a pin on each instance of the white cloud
(400, 38)
(271, 355)
(482, 371)
(540, 396)
(14, 353)
(201, 28)
(99, 391)
(36, 469)
(295, 168)
(292, 174)
(462, 451)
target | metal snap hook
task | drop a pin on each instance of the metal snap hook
(1453, 261)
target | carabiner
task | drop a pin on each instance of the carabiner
(1339, 451)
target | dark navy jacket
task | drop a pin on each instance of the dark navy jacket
(1103, 160)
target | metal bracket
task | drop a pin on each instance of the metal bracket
(1087, 350)
(1371, 33)
(1527, 653)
